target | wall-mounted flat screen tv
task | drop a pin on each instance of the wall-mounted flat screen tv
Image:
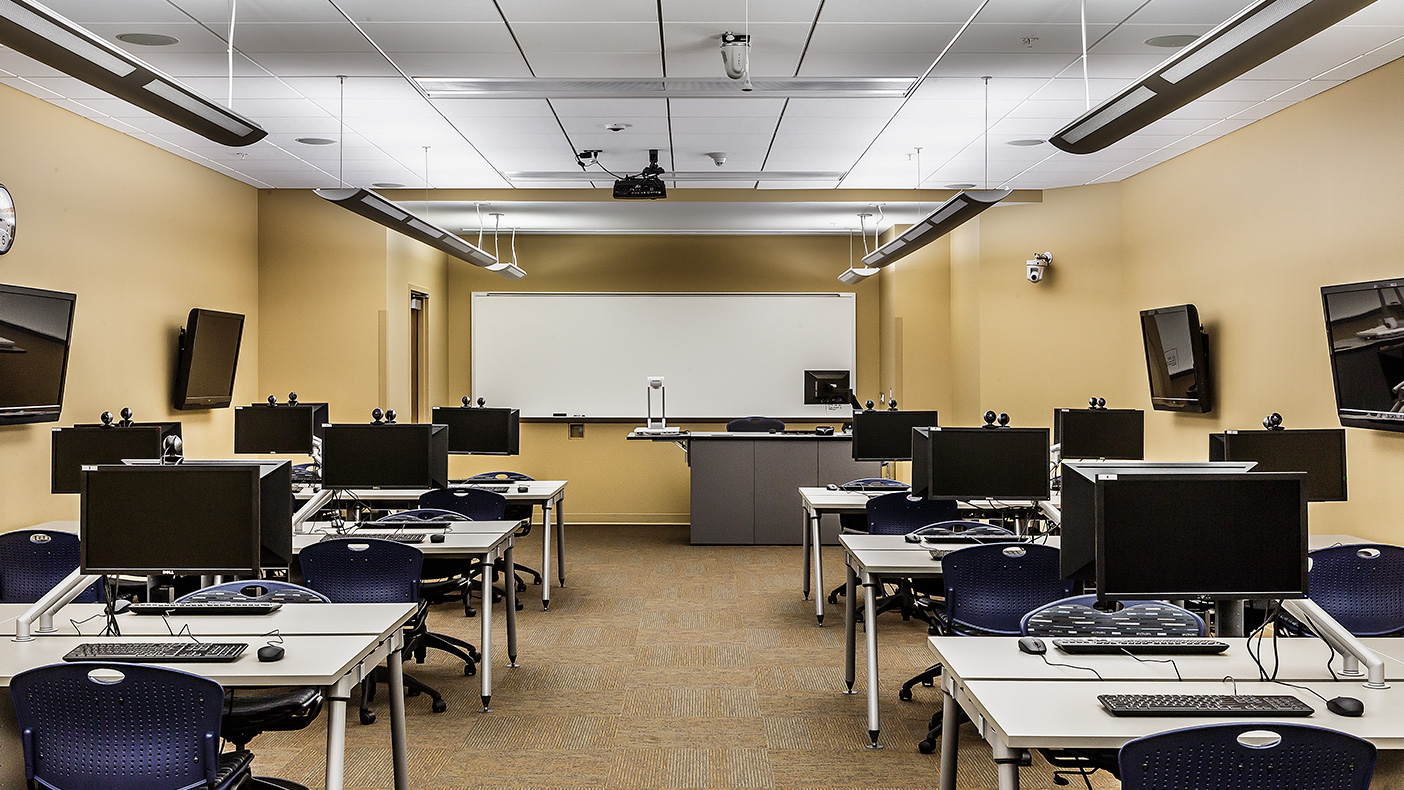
(1177, 358)
(209, 354)
(34, 330)
(1365, 330)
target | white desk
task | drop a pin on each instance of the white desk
(301, 619)
(335, 662)
(549, 495)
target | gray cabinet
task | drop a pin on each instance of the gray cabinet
(781, 468)
(723, 491)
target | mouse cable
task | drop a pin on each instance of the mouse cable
(1044, 656)
(1169, 661)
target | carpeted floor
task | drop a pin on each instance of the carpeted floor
(662, 665)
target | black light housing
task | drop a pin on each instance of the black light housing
(945, 218)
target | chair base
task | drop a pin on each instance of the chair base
(413, 687)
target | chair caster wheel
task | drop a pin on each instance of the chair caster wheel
(521, 586)
(929, 683)
(833, 599)
(469, 670)
(519, 606)
(905, 695)
(368, 717)
(934, 724)
(440, 706)
(926, 747)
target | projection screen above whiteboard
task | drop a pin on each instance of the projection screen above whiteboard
(723, 355)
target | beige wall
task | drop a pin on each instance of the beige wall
(141, 236)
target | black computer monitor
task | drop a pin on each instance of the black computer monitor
(408, 455)
(1321, 453)
(148, 519)
(887, 435)
(90, 445)
(1231, 536)
(285, 428)
(826, 387)
(1100, 433)
(980, 463)
(480, 431)
(1077, 553)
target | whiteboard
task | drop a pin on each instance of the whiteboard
(722, 355)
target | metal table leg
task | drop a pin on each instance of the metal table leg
(399, 747)
(336, 700)
(1007, 761)
(804, 579)
(560, 540)
(850, 628)
(546, 508)
(485, 665)
(511, 608)
(950, 739)
(817, 547)
(870, 632)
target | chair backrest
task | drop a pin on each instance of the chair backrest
(1076, 617)
(255, 590)
(897, 514)
(1305, 758)
(755, 424)
(965, 528)
(143, 728)
(475, 503)
(422, 514)
(1361, 585)
(990, 587)
(363, 570)
(34, 561)
(516, 477)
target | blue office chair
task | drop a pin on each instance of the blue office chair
(898, 514)
(1212, 755)
(255, 590)
(755, 425)
(422, 514)
(482, 505)
(142, 728)
(370, 570)
(1361, 586)
(34, 561)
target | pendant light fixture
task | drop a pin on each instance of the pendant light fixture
(1258, 33)
(508, 269)
(854, 276)
(34, 30)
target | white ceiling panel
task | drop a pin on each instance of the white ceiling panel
(757, 107)
(611, 108)
(1026, 38)
(694, 49)
(734, 12)
(595, 125)
(404, 37)
(593, 37)
(421, 11)
(602, 65)
(864, 64)
(914, 11)
(1191, 12)
(723, 126)
(928, 39)
(457, 64)
(527, 11)
(86, 12)
(260, 12)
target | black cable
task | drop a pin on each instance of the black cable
(1303, 688)
(607, 170)
(1044, 656)
(76, 623)
(1169, 661)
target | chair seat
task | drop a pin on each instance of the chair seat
(251, 713)
(235, 768)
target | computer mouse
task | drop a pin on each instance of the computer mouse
(912, 537)
(437, 537)
(1032, 645)
(1345, 706)
(832, 486)
(270, 653)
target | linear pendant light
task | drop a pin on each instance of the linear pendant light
(1255, 35)
(945, 218)
(375, 207)
(38, 32)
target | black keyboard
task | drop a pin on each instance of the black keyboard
(1172, 646)
(157, 652)
(211, 608)
(1204, 705)
(398, 537)
(493, 487)
(875, 487)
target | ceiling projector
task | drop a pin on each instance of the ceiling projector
(646, 185)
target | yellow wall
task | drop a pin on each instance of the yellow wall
(141, 236)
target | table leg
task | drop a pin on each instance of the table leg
(399, 748)
(511, 608)
(817, 547)
(804, 579)
(1007, 761)
(850, 627)
(485, 665)
(546, 508)
(950, 739)
(870, 586)
(336, 700)
(560, 540)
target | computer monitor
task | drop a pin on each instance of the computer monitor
(480, 431)
(887, 435)
(207, 358)
(285, 428)
(826, 387)
(184, 519)
(1321, 453)
(1077, 553)
(1100, 433)
(1226, 536)
(89, 445)
(980, 463)
(408, 455)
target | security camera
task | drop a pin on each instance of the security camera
(718, 157)
(735, 52)
(655, 382)
(1035, 269)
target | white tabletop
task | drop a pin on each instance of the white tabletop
(301, 619)
(892, 555)
(537, 490)
(481, 542)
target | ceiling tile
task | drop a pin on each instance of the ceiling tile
(734, 12)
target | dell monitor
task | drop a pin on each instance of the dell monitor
(1177, 359)
(480, 431)
(1100, 433)
(980, 463)
(392, 455)
(1229, 536)
(887, 435)
(1319, 453)
(207, 358)
(34, 333)
(1077, 555)
(284, 428)
(91, 445)
(1365, 333)
(826, 387)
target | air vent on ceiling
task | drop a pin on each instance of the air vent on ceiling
(547, 88)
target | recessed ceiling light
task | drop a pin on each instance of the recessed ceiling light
(387, 185)
(315, 141)
(960, 186)
(1172, 42)
(1024, 143)
(148, 39)
(618, 127)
